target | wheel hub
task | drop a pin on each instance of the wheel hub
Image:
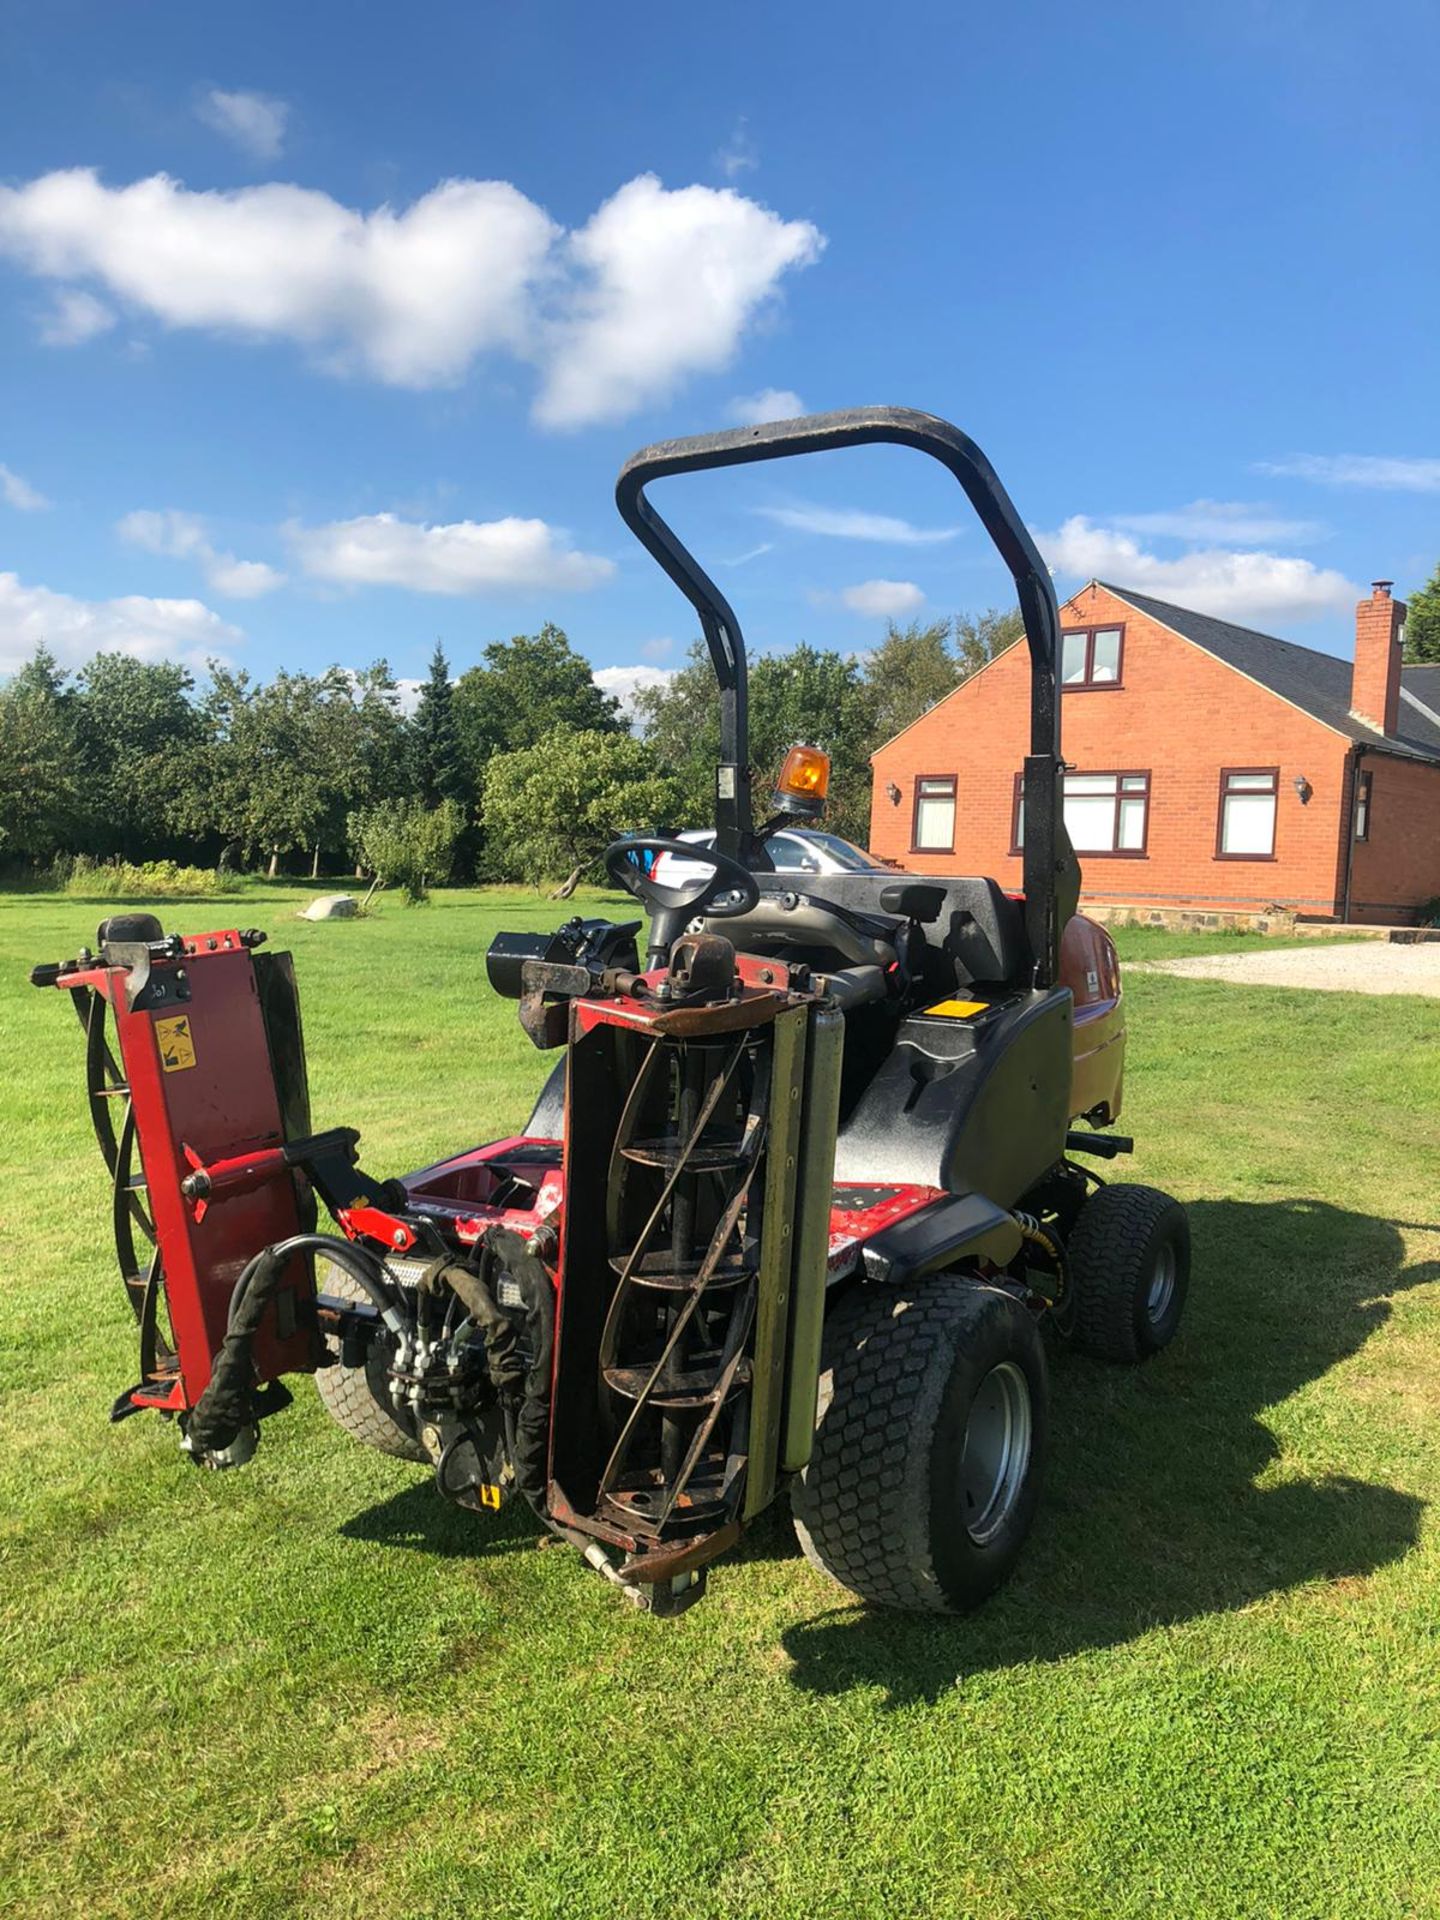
(996, 1453)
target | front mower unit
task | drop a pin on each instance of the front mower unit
(790, 1215)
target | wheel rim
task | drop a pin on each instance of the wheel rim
(1162, 1286)
(996, 1453)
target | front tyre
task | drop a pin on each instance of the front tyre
(358, 1398)
(929, 1444)
(1130, 1269)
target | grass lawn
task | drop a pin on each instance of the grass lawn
(312, 1688)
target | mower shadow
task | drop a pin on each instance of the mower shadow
(1152, 1514)
(420, 1519)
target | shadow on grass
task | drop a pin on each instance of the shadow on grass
(1152, 1514)
(423, 1520)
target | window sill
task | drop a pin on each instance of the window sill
(1092, 686)
(949, 849)
(1255, 859)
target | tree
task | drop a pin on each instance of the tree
(408, 845)
(806, 695)
(1422, 624)
(130, 713)
(552, 808)
(40, 792)
(440, 772)
(258, 774)
(980, 637)
(911, 669)
(528, 686)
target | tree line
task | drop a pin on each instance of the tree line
(520, 768)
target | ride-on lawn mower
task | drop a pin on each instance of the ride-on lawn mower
(790, 1214)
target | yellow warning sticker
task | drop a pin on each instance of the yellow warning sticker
(958, 1009)
(489, 1496)
(177, 1047)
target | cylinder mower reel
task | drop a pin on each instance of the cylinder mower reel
(798, 1210)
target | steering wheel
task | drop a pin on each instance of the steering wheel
(727, 890)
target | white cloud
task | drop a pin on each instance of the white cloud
(1247, 524)
(468, 556)
(656, 286)
(255, 122)
(882, 599)
(626, 682)
(770, 403)
(182, 536)
(74, 629)
(1384, 471)
(667, 284)
(1233, 586)
(739, 153)
(75, 317)
(844, 523)
(658, 649)
(18, 493)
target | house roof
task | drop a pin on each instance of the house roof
(1317, 683)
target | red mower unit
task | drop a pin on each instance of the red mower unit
(791, 1215)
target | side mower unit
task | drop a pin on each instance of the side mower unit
(789, 1215)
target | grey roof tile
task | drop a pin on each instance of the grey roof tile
(1317, 683)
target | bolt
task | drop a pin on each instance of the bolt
(397, 1239)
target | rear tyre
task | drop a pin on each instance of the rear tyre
(358, 1398)
(929, 1444)
(1130, 1268)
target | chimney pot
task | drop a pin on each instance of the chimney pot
(1382, 588)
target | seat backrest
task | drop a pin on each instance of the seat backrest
(974, 936)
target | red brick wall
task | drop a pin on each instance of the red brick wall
(1398, 868)
(1180, 715)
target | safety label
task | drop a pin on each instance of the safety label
(958, 1009)
(177, 1047)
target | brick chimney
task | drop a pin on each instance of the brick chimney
(1375, 680)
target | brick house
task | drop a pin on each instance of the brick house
(1213, 767)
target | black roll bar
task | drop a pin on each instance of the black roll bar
(1048, 856)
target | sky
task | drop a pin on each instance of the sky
(324, 331)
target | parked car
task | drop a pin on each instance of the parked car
(794, 850)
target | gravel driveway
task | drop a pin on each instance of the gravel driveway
(1370, 966)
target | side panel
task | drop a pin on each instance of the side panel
(200, 1078)
(967, 1103)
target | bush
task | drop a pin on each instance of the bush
(151, 879)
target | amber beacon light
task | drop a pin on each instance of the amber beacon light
(804, 781)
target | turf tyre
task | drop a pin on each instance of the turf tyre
(881, 1507)
(1130, 1268)
(358, 1398)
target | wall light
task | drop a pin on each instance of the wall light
(892, 793)
(1303, 788)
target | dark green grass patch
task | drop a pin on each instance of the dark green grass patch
(311, 1688)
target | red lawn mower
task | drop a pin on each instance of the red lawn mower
(791, 1213)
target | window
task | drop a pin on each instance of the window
(1104, 813)
(1090, 657)
(1362, 806)
(934, 829)
(791, 855)
(1248, 797)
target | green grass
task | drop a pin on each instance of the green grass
(311, 1688)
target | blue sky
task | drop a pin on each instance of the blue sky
(324, 330)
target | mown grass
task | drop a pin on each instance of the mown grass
(312, 1688)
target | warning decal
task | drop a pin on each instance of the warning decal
(958, 1009)
(177, 1048)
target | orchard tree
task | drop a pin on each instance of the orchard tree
(1422, 624)
(551, 809)
(407, 845)
(130, 713)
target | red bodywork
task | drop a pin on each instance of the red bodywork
(202, 1091)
